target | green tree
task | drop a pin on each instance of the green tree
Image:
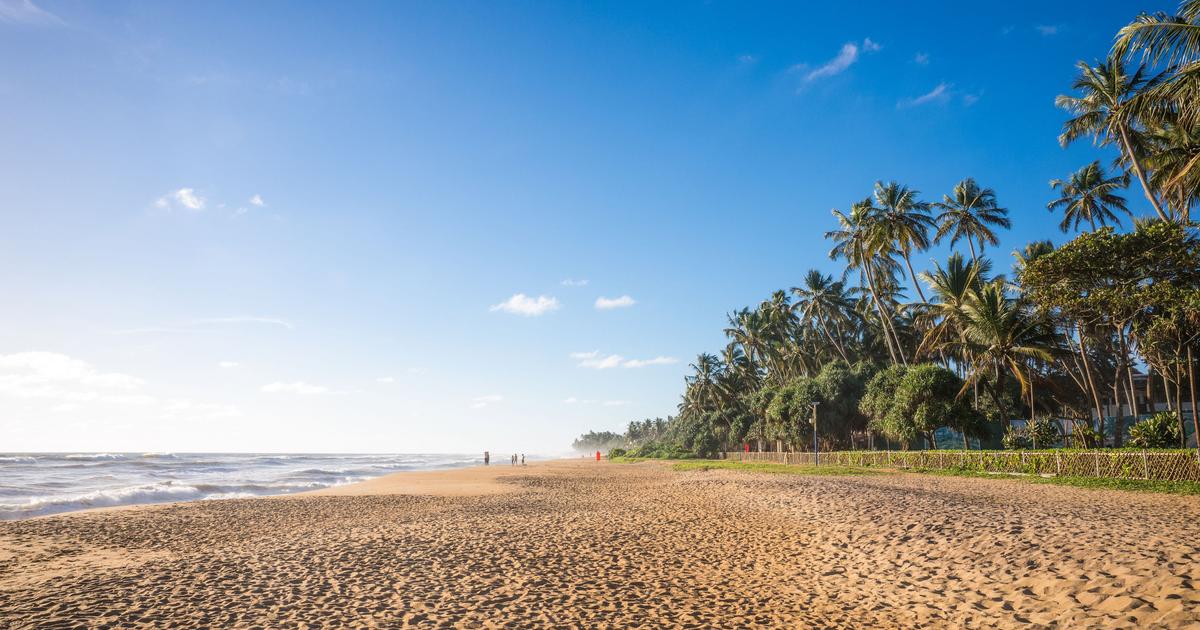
(969, 214)
(1087, 195)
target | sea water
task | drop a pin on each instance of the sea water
(33, 484)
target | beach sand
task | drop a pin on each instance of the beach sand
(586, 544)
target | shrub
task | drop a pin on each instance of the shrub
(616, 452)
(1041, 432)
(1158, 431)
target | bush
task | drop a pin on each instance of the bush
(616, 452)
(1158, 431)
(1041, 432)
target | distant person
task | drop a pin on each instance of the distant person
(487, 457)
(522, 459)
(597, 455)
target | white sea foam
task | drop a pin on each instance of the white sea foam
(45, 483)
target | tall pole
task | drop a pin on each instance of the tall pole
(816, 450)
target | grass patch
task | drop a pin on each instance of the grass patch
(1190, 488)
(778, 469)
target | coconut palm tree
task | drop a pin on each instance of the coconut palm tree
(1173, 156)
(953, 286)
(1173, 40)
(1004, 336)
(858, 242)
(825, 305)
(969, 214)
(905, 221)
(1108, 112)
(1087, 195)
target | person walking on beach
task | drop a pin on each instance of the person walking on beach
(487, 457)
(522, 459)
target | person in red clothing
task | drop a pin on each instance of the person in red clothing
(597, 455)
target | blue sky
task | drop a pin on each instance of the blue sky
(283, 226)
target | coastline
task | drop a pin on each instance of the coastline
(581, 543)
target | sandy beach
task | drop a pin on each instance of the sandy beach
(582, 544)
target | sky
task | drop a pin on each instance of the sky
(458, 226)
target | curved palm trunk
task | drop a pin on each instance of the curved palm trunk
(889, 332)
(971, 244)
(916, 285)
(836, 343)
(1137, 170)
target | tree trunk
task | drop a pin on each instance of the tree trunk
(883, 316)
(1087, 368)
(1191, 367)
(1137, 170)
(916, 285)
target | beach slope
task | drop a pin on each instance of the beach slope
(586, 544)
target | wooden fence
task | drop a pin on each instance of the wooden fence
(1110, 464)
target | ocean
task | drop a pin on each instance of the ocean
(34, 484)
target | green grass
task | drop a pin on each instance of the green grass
(778, 469)
(1190, 488)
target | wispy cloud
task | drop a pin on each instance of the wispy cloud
(747, 59)
(574, 283)
(845, 58)
(185, 198)
(570, 400)
(1046, 30)
(483, 401)
(921, 59)
(270, 321)
(386, 379)
(26, 12)
(607, 304)
(615, 403)
(298, 387)
(971, 99)
(596, 361)
(257, 200)
(939, 94)
(521, 304)
(226, 365)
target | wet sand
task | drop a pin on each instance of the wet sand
(586, 544)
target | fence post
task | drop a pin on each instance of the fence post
(1145, 465)
(1057, 464)
(1097, 460)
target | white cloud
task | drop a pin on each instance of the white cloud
(597, 361)
(257, 200)
(747, 59)
(26, 12)
(521, 304)
(615, 403)
(386, 379)
(844, 59)
(570, 401)
(57, 376)
(971, 99)
(272, 321)
(938, 94)
(184, 197)
(1046, 30)
(637, 363)
(227, 364)
(299, 387)
(417, 370)
(921, 59)
(574, 283)
(606, 304)
(482, 401)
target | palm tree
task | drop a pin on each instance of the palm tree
(1175, 41)
(859, 244)
(1033, 250)
(1107, 111)
(953, 287)
(905, 221)
(824, 303)
(1004, 337)
(969, 215)
(1087, 195)
(1174, 157)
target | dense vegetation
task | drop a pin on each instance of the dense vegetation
(884, 351)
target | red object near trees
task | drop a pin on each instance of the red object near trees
(597, 455)
(747, 445)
